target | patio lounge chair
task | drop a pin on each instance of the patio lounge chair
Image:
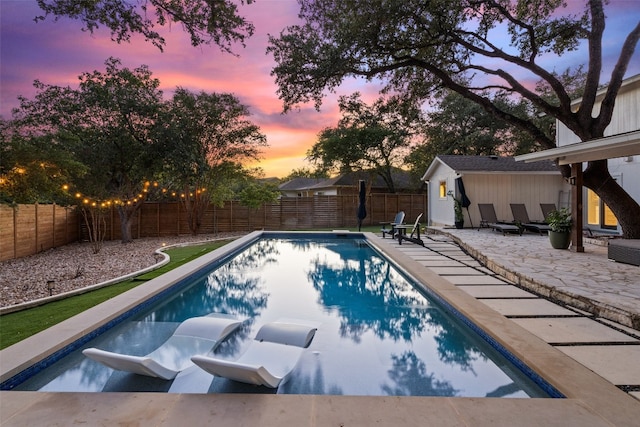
(402, 232)
(490, 220)
(193, 336)
(270, 358)
(521, 216)
(398, 220)
(547, 208)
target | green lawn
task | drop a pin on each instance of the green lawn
(17, 326)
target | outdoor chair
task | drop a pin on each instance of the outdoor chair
(521, 217)
(489, 219)
(195, 335)
(547, 208)
(415, 231)
(398, 220)
(269, 360)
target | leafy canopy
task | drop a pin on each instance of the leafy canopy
(206, 21)
(107, 124)
(374, 138)
(35, 170)
(418, 46)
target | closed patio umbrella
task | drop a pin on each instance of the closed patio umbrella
(362, 202)
(464, 200)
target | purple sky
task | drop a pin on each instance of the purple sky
(58, 52)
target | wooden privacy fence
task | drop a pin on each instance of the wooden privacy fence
(30, 228)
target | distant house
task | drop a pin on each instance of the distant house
(621, 146)
(299, 187)
(345, 184)
(491, 179)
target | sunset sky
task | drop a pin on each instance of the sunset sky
(58, 52)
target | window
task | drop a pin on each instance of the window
(598, 213)
(443, 189)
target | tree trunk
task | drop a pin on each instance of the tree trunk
(126, 214)
(624, 207)
(195, 205)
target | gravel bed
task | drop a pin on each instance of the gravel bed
(75, 266)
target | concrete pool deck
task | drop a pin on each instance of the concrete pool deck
(548, 337)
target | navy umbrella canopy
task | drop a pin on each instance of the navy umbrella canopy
(362, 203)
(464, 200)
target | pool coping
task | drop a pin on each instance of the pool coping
(590, 399)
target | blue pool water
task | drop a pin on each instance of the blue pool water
(377, 333)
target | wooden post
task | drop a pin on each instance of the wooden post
(15, 232)
(576, 208)
(36, 228)
(53, 232)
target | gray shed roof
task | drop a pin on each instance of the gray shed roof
(476, 164)
(494, 164)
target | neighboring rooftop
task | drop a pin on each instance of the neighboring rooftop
(401, 179)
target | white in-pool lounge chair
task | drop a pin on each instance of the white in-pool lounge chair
(270, 358)
(196, 335)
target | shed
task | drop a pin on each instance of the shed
(491, 179)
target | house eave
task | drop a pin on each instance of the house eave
(621, 145)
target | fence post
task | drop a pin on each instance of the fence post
(15, 232)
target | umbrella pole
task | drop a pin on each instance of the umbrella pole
(469, 215)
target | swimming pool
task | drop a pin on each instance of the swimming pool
(377, 333)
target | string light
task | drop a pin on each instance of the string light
(90, 201)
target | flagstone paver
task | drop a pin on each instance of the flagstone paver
(618, 364)
(444, 262)
(460, 270)
(496, 291)
(474, 280)
(573, 330)
(528, 307)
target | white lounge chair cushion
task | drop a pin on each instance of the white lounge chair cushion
(264, 363)
(286, 333)
(193, 336)
(270, 358)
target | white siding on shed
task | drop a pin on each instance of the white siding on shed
(503, 189)
(441, 210)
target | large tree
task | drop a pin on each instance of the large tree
(206, 21)
(459, 126)
(375, 138)
(416, 46)
(107, 124)
(206, 138)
